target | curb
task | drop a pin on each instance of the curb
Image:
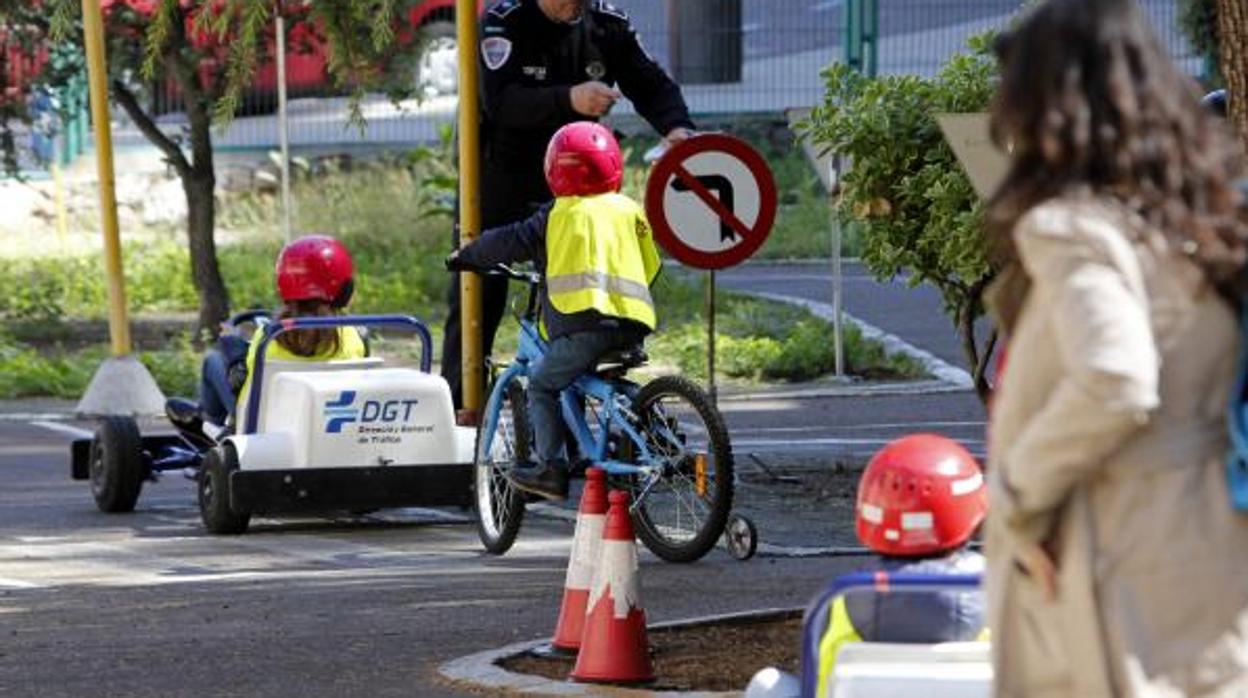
(481, 670)
(920, 387)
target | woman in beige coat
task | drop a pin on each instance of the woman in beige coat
(1116, 565)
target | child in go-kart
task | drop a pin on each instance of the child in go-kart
(595, 248)
(920, 500)
(314, 278)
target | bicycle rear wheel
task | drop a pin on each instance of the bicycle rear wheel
(681, 514)
(500, 506)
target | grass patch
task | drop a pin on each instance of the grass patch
(27, 371)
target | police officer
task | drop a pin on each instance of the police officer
(544, 64)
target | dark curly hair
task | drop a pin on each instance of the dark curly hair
(1089, 102)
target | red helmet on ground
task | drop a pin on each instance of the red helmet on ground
(583, 159)
(315, 267)
(920, 495)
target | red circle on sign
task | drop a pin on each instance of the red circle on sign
(672, 166)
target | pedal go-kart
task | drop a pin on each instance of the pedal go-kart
(884, 669)
(312, 437)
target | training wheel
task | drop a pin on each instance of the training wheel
(741, 537)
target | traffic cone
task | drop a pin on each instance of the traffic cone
(614, 647)
(586, 542)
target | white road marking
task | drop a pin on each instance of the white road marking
(857, 427)
(828, 441)
(49, 562)
(33, 416)
(826, 6)
(76, 432)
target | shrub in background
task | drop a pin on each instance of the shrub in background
(910, 200)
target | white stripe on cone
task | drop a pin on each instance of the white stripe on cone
(585, 544)
(617, 571)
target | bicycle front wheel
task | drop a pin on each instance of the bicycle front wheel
(500, 506)
(681, 511)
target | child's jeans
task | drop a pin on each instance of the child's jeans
(567, 358)
(217, 394)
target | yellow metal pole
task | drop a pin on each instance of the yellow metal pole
(469, 203)
(97, 72)
(62, 214)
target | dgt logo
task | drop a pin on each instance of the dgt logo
(342, 411)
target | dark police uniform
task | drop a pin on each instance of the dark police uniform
(529, 66)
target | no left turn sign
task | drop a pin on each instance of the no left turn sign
(711, 201)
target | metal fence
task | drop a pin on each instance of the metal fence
(781, 44)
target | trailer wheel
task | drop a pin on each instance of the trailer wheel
(214, 493)
(116, 465)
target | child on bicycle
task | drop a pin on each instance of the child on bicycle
(920, 500)
(314, 278)
(595, 248)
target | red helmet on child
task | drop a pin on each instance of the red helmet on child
(920, 495)
(315, 267)
(583, 159)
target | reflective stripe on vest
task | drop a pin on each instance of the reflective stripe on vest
(597, 280)
(600, 256)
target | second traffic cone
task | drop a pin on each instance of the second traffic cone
(586, 542)
(614, 647)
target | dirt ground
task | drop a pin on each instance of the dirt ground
(700, 658)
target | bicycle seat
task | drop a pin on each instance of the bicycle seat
(622, 359)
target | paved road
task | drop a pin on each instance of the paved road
(914, 315)
(147, 605)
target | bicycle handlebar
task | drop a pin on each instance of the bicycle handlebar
(454, 263)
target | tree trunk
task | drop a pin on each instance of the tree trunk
(1233, 44)
(977, 358)
(200, 183)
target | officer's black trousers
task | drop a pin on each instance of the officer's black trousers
(493, 305)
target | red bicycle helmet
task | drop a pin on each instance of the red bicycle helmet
(583, 159)
(920, 495)
(315, 267)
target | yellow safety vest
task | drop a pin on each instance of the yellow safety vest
(350, 346)
(841, 631)
(600, 255)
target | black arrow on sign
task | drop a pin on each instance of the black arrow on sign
(723, 189)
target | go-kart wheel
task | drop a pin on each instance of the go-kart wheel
(500, 505)
(214, 493)
(741, 537)
(116, 465)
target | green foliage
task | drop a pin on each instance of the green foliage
(905, 192)
(29, 372)
(1199, 20)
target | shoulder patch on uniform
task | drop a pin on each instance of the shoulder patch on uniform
(495, 50)
(502, 9)
(610, 10)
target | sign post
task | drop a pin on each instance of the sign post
(829, 168)
(711, 201)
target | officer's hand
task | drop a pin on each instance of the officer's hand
(594, 98)
(452, 262)
(677, 135)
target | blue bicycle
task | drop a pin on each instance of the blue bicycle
(664, 442)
